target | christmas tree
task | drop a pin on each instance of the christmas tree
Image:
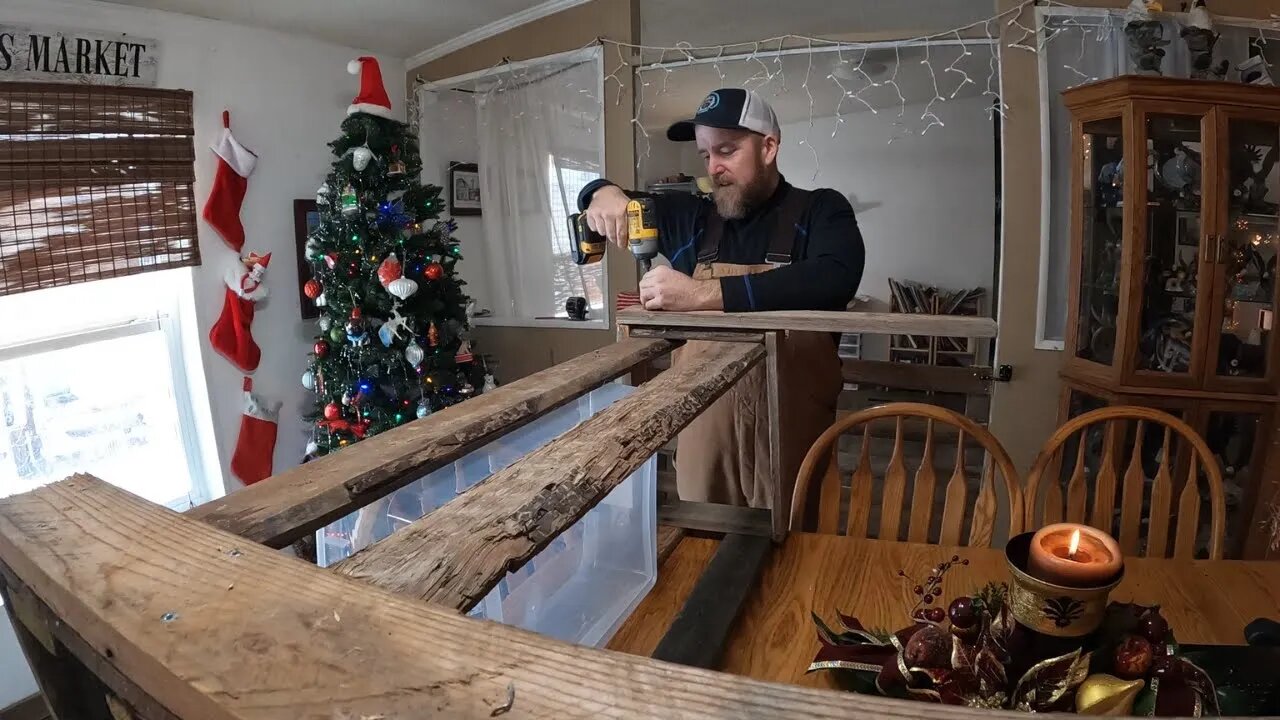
(392, 343)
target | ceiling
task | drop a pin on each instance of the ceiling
(397, 27)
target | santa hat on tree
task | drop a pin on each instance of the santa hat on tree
(373, 95)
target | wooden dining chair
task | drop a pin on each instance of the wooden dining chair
(1129, 462)
(819, 480)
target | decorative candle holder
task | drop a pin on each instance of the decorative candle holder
(1049, 609)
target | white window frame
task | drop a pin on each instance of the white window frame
(593, 52)
(1046, 170)
(167, 320)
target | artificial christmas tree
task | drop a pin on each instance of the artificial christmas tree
(393, 309)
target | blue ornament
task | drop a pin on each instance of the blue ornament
(423, 409)
(392, 215)
(365, 386)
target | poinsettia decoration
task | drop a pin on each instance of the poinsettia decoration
(976, 654)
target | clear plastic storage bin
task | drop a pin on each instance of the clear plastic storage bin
(583, 585)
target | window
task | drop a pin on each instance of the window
(566, 183)
(93, 379)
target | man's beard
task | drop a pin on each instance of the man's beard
(735, 202)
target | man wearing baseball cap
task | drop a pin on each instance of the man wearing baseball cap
(759, 244)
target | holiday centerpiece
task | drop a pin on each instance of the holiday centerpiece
(1047, 641)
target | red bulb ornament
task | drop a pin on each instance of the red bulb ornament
(321, 348)
(434, 271)
(332, 411)
(312, 289)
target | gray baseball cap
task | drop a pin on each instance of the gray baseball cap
(731, 109)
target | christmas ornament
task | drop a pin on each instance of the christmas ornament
(396, 166)
(1133, 657)
(321, 301)
(423, 409)
(337, 334)
(467, 389)
(312, 448)
(325, 322)
(414, 353)
(321, 349)
(312, 289)
(331, 259)
(346, 398)
(349, 203)
(251, 460)
(489, 383)
(389, 270)
(230, 335)
(357, 333)
(434, 271)
(1104, 694)
(322, 194)
(360, 158)
(464, 354)
(332, 411)
(402, 287)
(235, 164)
(433, 335)
(309, 380)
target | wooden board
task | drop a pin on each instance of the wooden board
(858, 576)
(914, 376)
(816, 321)
(217, 628)
(699, 631)
(710, 517)
(645, 628)
(300, 500)
(456, 554)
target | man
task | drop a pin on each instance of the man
(761, 245)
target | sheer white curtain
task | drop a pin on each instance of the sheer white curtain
(1088, 46)
(540, 140)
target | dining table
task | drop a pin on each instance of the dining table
(774, 637)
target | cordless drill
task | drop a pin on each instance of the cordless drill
(642, 235)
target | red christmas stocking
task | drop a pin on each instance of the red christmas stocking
(222, 209)
(230, 335)
(251, 460)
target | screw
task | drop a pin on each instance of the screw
(169, 617)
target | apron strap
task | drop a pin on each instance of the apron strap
(709, 243)
(782, 244)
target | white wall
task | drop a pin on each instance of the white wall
(925, 204)
(287, 97)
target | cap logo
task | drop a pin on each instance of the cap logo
(711, 103)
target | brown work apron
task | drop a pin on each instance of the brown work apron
(723, 455)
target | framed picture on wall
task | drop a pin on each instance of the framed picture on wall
(305, 219)
(464, 188)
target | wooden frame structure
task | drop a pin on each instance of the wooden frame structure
(128, 610)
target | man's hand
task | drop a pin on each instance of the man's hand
(607, 214)
(665, 289)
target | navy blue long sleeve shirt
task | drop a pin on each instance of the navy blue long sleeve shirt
(827, 258)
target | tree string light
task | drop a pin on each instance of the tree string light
(964, 53)
(928, 114)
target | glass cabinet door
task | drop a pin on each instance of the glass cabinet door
(1232, 437)
(1240, 354)
(1101, 232)
(1167, 252)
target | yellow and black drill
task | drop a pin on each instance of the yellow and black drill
(642, 235)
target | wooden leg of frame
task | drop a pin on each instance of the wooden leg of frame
(781, 504)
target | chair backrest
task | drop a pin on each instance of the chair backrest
(819, 480)
(1129, 463)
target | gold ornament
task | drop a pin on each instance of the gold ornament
(1107, 695)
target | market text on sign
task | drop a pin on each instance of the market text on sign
(78, 56)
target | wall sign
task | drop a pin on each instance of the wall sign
(46, 54)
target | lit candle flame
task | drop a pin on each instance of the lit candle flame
(1075, 544)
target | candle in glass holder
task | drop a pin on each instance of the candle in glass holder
(1073, 555)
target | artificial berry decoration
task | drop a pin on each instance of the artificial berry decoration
(434, 271)
(931, 590)
(962, 613)
(1153, 627)
(321, 349)
(312, 288)
(332, 411)
(1134, 657)
(936, 615)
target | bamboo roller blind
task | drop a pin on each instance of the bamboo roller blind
(95, 182)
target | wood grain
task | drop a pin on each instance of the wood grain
(778, 503)
(642, 632)
(895, 485)
(858, 576)
(859, 520)
(1077, 492)
(922, 494)
(1134, 87)
(956, 499)
(287, 506)
(817, 321)
(984, 508)
(1161, 500)
(1134, 485)
(908, 376)
(829, 497)
(711, 517)
(456, 554)
(251, 634)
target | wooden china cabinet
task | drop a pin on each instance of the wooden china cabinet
(1175, 232)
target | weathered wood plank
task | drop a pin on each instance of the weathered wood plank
(255, 635)
(779, 500)
(710, 517)
(698, 633)
(910, 376)
(688, 334)
(456, 554)
(287, 506)
(668, 540)
(817, 321)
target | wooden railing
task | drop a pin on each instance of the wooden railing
(126, 609)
